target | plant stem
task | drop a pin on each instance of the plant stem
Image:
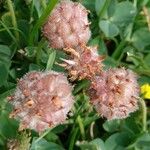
(43, 135)
(51, 60)
(10, 33)
(72, 141)
(116, 54)
(41, 20)
(101, 13)
(144, 114)
(14, 22)
(81, 126)
(142, 72)
(39, 50)
(31, 12)
(43, 3)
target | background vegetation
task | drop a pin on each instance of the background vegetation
(121, 29)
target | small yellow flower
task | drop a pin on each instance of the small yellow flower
(145, 90)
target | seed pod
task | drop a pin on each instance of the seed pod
(42, 100)
(67, 26)
(115, 93)
(85, 62)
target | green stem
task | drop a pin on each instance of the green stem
(116, 54)
(89, 120)
(31, 12)
(81, 126)
(144, 114)
(72, 141)
(101, 13)
(51, 60)
(10, 33)
(43, 3)
(41, 20)
(142, 72)
(12, 28)
(39, 51)
(12, 12)
(43, 135)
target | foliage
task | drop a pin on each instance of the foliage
(121, 29)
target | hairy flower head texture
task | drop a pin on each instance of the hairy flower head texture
(85, 62)
(67, 26)
(42, 100)
(114, 93)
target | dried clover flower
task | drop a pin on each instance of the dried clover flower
(42, 100)
(85, 62)
(114, 93)
(21, 143)
(67, 26)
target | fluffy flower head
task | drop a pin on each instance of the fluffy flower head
(114, 93)
(67, 26)
(42, 100)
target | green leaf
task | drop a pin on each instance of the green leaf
(109, 29)
(144, 80)
(23, 26)
(5, 54)
(99, 4)
(51, 60)
(142, 3)
(132, 125)
(4, 49)
(59, 128)
(124, 14)
(146, 59)
(86, 146)
(6, 18)
(102, 49)
(1, 140)
(3, 74)
(38, 7)
(112, 8)
(8, 127)
(30, 51)
(109, 61)
(118, 141)
(41, 20)
(83, 84)
(112, 125)
(44, 145)
(89, 4)
(34, 67)
(96, 144)
(141, 38)
(52, 137)
(143, 142)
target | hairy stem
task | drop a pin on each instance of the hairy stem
(144, 114)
